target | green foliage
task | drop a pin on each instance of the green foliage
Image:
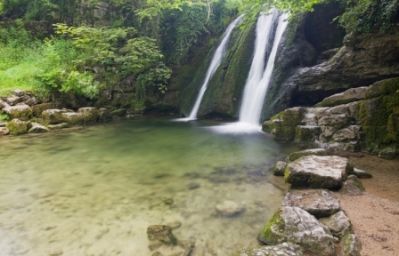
(4, 117)
(369, 15)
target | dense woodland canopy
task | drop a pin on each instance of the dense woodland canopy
(83, 47)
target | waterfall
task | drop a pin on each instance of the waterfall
(260, 73)
(215, 63)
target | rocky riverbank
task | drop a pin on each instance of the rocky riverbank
(312, 220)
(23, 112)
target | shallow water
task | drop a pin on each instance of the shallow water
(94, 191)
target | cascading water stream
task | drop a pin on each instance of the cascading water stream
(215, 63)
(260, 73)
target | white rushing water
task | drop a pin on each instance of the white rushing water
(215, 63)
(260, 73)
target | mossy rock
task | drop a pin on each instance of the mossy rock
(18, 127)
(283, 126)
(384, 87)
(273, 231)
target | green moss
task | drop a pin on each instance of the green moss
(272, 232)
(284, 125)
(17, 127)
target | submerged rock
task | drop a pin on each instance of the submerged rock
(353, 186)
(161, 233)
(339, 224)
(58, 126)
(284, 249)
(320, 203)
(278, 168)
(317, 172)
(229, 209)
(292, 224)
(38, 128)
(17, 127)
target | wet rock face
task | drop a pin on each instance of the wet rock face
(286, 249)
(317, 172)
(295, 225)
(320, 203)
(370, 122)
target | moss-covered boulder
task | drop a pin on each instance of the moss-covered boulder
(278, 168)
(18, 127)
(39, 108)
(283, 125)
(292, 224)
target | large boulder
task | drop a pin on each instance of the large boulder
(284, 249)
(89, 114)
(320, 203)
(20, 111)
(317, 172)
(292, 224)
(72, 118)
(18, 127)
(53, 116)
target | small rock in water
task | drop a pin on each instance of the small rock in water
(229, 209)
(318, 202)
(174, 224)
(278, 168)
(168, 201)
(161, 233)
(193, 185)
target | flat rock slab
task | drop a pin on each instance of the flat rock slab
(318, 202)
(317, 172)
(286, 249)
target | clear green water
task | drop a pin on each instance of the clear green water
(94, 191)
